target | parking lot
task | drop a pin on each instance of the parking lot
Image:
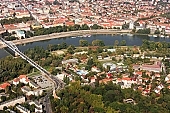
(42, 81)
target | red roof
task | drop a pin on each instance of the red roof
(105, 80)
(126, 78)
(16, 80)
(4, 85)
(139, 72)
(22, 76)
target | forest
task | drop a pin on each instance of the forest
(108, 98)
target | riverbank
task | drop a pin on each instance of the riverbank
(66, 34)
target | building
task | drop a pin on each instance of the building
(4, 86)
(70, 61)
(156, 67)
(20, 34)
(16, 81)
(22, 109)
(131, 25)
(24, 79)
(125, 82)
(12, 102)
(110, 66)
(33, 85)
(38, 108)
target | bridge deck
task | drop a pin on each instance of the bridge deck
(57, 82)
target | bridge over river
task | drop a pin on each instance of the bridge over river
(57, 82)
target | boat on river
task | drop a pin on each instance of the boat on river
(166, 36)
(87, 35)
(129, 34)
(155, 36)
(162, 36)
(73, 37)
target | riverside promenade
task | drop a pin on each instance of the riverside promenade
(66, 34)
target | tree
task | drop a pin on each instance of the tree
(97, 43)
(3, 98)
(85, 27)
(70, 49)
(95, 26)
(116, 43)
(144, 31)
(123, 43)
(83, 43)
(157, 31)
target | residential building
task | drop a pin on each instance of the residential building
(22, 109)
(12, 102)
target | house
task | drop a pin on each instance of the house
(24, 79)
(167, 30)
(128, 101)
(16, 81)
(139, 27)
(95, 69)
(106, 80)
(158, 88)
(38, 110)
(4, 86)
(125, 82)
(20, 34)
(92, 79)
(25, 89)
(22, 109)
(72, 61)
(36, 103)
(110, 66)
(11, 111)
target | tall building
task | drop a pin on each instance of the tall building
(131, 24)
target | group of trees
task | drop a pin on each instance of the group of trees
(144, 31)
(15, 20)
(10, 68)
(54, 47)
(107, 98)
(85, 43)
(167, 15)
(43, 57)
(122, 43)
(152, 46)
(57, 29)
(97, 43)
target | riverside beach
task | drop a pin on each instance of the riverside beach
(66, 34)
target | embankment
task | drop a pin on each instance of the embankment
(66, 34)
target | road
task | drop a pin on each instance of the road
(47, 104)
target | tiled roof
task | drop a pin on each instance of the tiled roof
(4, 85)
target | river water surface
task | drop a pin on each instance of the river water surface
(108, 40)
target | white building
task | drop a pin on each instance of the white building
(22, 109)
(20, 34)
(12, 102)
(131, 25)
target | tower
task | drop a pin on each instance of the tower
(131, 25)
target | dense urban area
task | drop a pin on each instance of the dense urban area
(92, 77)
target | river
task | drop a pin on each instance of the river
(108, 40)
